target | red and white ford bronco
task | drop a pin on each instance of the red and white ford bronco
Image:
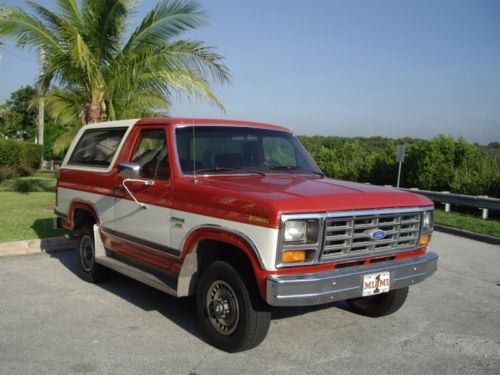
(239, 215)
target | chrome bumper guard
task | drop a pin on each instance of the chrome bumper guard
(341, 284)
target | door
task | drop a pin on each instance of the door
(147, 224)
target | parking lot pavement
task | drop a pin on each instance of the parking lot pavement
(51, 322)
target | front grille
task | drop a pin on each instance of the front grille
(352, 235)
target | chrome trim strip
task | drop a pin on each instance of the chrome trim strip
(330, 214)
(346, 283)
(382, 211)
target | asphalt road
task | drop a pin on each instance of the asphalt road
(51, 322)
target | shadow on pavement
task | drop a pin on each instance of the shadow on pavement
(181, 311)
(287, 312)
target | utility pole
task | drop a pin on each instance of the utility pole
(41, 104)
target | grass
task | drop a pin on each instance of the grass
(468, 222)
(44, 180)
(26, 216)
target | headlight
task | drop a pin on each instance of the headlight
(301, 231)
(427, 221)
(425, 234)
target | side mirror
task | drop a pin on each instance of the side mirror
(129, 170)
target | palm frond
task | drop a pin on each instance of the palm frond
(196, 56)
(167, 20)
(65, 105)
(64, 140)
(69, 11)
(189, 83)
(27, 30)
(104, 23)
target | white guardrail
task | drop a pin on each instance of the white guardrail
(484, 203)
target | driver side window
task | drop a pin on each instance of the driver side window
(151, 154)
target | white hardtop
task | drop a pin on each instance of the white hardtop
(110, 124)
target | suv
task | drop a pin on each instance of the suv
(239, 215)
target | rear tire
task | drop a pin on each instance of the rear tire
(232, 315)
(381, 304)
(87, 268)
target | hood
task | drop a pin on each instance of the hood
(272, 195)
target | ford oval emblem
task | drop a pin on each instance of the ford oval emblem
(377, 234)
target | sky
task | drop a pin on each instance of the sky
(394, 68)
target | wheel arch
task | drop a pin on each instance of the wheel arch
(207, 244)
(82, 213)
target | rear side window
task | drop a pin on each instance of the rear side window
(96, 148)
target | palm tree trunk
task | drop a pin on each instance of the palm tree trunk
(95, 111)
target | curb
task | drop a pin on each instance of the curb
(471, 235)
(44, 245)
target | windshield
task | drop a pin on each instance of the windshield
(236, 149)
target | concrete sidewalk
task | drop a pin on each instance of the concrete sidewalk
(46, 245)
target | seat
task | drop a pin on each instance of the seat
(231, 160)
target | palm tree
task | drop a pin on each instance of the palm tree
(95, 69)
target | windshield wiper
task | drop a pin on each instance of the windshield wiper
(294, 168)
(228, 169)
(215, 169)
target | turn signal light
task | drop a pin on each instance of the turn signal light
(293, 256)
(424, 240)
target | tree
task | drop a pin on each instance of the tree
(99, 71)
(17, 119)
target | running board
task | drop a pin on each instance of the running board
(136, 274)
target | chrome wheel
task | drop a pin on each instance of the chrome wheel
(87, 253)
(222, 307)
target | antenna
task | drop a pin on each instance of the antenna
(194, 153)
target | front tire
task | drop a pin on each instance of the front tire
(232, 315)
(87, 268)
(380, 304)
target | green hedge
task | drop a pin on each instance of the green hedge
(441, 164)
(20, 154)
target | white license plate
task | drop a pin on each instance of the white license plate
(376, 283)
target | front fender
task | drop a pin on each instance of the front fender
(227, 236)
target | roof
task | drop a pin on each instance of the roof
(181, 121)
(206, 121)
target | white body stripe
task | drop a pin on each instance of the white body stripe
(264, 239)
(153, 224)
(103, 204)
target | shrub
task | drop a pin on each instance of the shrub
(31, 155)
(10, 152)
(25, 155)
(27, 185)
(7, 172)
(24, 170)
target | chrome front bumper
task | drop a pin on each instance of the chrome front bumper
(341, 284)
